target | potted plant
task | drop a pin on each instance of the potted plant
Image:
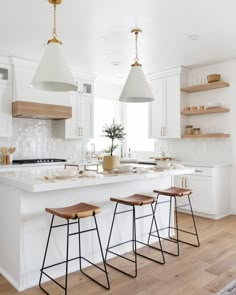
(114, 132)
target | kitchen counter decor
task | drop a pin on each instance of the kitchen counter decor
(114, 132)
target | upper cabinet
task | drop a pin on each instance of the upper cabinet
(5, 100)
(164, 111)
(81, 125)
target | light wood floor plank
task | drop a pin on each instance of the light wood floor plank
(197, 271)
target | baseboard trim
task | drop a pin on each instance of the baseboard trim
(12, 281)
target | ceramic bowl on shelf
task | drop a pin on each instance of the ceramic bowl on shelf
(213, 78)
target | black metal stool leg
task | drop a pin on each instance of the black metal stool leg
(150, 232)
(135, 242)
(170, 211)
(195, 227)
(177, 226)
(112, 224)
(169, 239)
(187, 232)
(67, 254)
(80, 265)
(45, 254)
(103, 259)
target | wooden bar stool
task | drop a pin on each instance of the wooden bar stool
(133, 201)
(173, 193)
(76, 212)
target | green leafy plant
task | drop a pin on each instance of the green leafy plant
(113, 131)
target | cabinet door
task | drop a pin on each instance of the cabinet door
(202, 192)
(85, 87)
(71, 125)
(155, 110)
(5, 111)
(85, 116)
(172, 107)
(164, 112)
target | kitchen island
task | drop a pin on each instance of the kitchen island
(24, 224)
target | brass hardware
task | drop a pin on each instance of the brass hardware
(136, 31)
(55, 2)
(136, 64)
(54, 40)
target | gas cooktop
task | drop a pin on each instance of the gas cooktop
(37, 161)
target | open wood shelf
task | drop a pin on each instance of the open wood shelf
(207, 135)
(203, 87)
(205, 111)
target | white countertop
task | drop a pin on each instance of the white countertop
(204, 164)
(32, 179)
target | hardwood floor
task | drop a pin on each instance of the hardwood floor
(197, 271)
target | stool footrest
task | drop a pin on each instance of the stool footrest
(53, 281)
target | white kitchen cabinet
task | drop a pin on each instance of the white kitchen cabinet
(85, 87)
(81, 123)
(210, 191)
(5, 74)
(164, 111)
(5, 111)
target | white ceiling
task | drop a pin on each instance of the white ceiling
(96, 33)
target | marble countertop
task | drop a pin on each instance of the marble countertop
(33, 180)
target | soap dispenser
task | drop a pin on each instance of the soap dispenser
(129, 153)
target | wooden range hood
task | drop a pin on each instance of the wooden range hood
(34, 110)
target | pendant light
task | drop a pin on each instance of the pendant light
(136, 88)
(53, 73)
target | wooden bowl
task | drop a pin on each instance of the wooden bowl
(213, 78)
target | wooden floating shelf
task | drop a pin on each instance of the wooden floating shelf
(205, 111)
(203, 87)
(207, 135)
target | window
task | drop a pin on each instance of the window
(137, 127)
(105, 111)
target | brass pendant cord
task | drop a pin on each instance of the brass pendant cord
(54, 33)
(136, 60)
(136, 47)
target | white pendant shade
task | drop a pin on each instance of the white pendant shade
(53, 73)
(136, 88)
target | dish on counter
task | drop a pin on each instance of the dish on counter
(65, 173)
(124, 168)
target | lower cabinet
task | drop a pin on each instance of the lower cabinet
(5, 111)
(210, 191)
(81, 123)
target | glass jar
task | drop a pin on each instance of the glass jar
(189, 129)
(196, 131)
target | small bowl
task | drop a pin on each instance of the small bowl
(66, 173)
(164, 163)
(125, 168)
(213, 78)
